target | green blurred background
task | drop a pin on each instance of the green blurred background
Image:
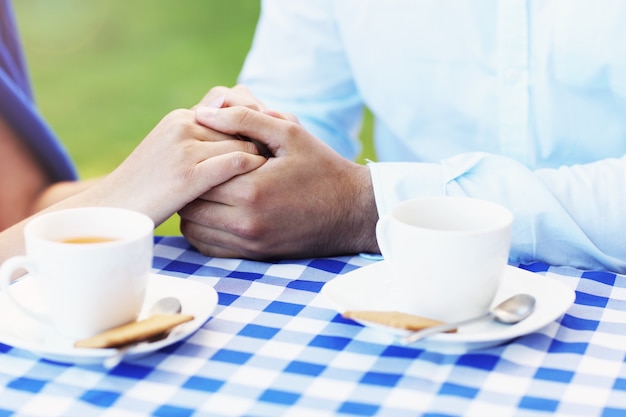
(106, 71)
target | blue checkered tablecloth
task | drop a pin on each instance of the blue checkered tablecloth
(274, 347)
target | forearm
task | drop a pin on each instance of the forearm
(12, 239)
(104, 192)
(60, 191)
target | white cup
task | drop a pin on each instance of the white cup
(445, 256)
(86, 287)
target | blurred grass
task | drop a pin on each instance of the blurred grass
(106, 71)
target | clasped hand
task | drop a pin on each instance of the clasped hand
(303, 201)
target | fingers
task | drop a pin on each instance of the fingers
(242, 121)
(227, 97)
(182, 123)
(205, 150)
(202, 225)
(210, 249)
(209, 135)
(281, 115)
(221, 168)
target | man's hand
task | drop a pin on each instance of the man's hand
(305, 201)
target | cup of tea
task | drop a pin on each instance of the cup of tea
(90, 265)
(445, 256)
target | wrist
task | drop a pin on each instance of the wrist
(363, 215)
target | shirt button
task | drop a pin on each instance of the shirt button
(512, 75)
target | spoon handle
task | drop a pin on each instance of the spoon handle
(429, 331)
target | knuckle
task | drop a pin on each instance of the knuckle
(177, 114)
(238, 161)
(250, 230)
(179, 121)
(252, 197)
(253, 107)
(292, 130)
(291, 117)
(241, 88)
(245, 116)
(218, 90)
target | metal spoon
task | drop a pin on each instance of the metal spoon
(166, 305)
(510, 311)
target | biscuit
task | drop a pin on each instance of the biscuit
(395, 319)
(134, 332)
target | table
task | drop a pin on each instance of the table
(275, 347)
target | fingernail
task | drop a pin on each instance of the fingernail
(205, 112)
(217, 103)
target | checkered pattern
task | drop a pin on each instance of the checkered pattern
(274, 347)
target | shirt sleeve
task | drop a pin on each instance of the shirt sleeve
(18, 108)
(297, 62)
(567, 216)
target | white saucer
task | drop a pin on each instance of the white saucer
(22, 332)
(361, 289)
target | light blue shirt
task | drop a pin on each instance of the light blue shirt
(480, 98)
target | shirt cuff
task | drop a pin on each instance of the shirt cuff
(394, 182)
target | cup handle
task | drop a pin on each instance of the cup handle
(7, 270)
(382, 230)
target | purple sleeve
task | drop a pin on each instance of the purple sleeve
(18, 108)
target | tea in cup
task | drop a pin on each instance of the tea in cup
(445, 256)
(90, 266)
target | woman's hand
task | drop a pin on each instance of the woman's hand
(177, 162)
